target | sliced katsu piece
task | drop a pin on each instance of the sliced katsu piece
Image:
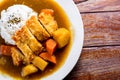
(32, 42)
(27, 38)
(27, 43)
(47, 19)
(24, 49)
(37, 29)
(17, 56)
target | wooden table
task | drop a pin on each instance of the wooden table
(100, 58)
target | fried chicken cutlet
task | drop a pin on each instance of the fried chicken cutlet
(47, 19)
(37, 29)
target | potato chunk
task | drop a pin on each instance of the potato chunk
(40, 63)
(62, 37)
(29, 69)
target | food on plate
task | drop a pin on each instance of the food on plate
(61, 36)
(40, 63)
(37, 29)
(46, 17)
(13, 19)
(33, 40)
(6, 50)
(51, 46)
(29, 69)
(17, 56)
(48, 57)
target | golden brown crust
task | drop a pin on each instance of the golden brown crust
(17, 56)
(47, 19)
(37, 29)
(27, 43)
(25, 37)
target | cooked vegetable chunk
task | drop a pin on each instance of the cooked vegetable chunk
(37, 29)
(62, 37)
(29, 69)
(47, 19)
(16, 56)
(48, 57)
(6, 50)
(51, 46)
(40, 63)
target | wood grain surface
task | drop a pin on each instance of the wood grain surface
(97, 63)
(79, 1)
(100, 57)
(99, 5)
(101, 28)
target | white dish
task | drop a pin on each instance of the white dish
(77, 27)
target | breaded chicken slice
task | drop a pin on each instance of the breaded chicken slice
(47, 19)
(37, 29)
(26, 42)
(32, 42)
(17, 56)
(24, 49)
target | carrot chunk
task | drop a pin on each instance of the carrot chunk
(51, 46)
(48, 57)
(6, 50)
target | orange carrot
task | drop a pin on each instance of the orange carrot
(6, 50)
(47, 56)
(51, 46)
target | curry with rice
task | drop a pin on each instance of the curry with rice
(41, 45)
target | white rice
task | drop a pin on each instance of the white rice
(12, 20)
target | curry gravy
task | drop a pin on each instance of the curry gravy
(6, 64)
